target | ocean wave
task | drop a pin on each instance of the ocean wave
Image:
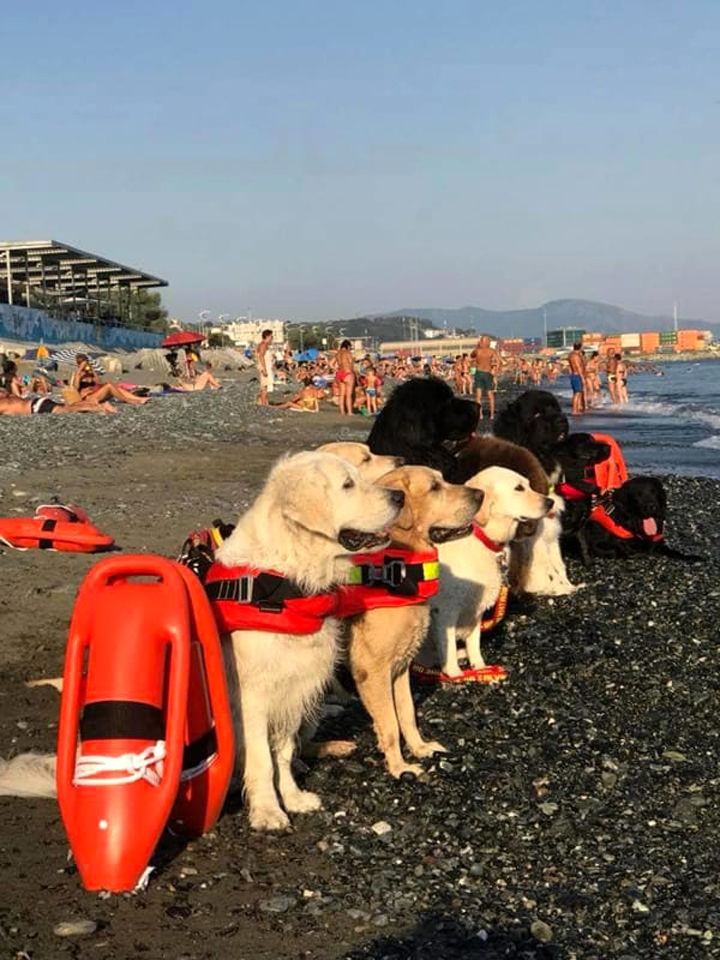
(713, 443)
(680, 411)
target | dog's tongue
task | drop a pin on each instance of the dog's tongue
(649, 527)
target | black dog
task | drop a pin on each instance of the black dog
(637, 510)
(576, 454)
(424, 423)
(535, 421)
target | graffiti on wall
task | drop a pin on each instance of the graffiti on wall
(23, 323)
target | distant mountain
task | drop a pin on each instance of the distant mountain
(587, 314)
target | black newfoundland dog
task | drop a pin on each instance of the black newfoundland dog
(534, 421)
(424, 423)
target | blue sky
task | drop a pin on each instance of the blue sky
(320, 159)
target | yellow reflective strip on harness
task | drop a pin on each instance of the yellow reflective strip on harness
(355, 576)
(431, 570)
(216, 535)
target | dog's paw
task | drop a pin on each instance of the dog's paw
(269, 818)
(413, 769)
(428, 748)
(303, 802)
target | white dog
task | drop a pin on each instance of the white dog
(471, 569)
(313, 514)
(536, 563)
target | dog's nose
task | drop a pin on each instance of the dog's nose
(397, 497)
(549, 504)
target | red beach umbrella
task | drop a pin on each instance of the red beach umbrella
(182, 338)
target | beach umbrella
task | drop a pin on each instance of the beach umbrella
(69, 354)
(182, 338)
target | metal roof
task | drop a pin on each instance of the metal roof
(62, 270)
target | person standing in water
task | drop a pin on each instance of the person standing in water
(486, 362)
(611, 374)
(265, 368)
(576, 360)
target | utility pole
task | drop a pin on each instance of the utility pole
(675, 316)
(544, 326)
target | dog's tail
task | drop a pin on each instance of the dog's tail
(28, 775)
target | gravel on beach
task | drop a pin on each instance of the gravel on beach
(575, 817)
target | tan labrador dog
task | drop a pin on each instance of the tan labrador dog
(372, 466)
(383, 642)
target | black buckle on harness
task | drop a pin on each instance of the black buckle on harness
(391, 573)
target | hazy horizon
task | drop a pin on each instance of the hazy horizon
(318, 161)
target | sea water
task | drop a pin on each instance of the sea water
(671, 423)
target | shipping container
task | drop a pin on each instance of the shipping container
(649, 342)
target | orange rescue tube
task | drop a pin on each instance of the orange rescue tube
(209, 755)
(127, 667)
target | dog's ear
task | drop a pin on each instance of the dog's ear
(396, 480)
(483, 514)
(305, 504)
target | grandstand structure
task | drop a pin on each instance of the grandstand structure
(68, 283)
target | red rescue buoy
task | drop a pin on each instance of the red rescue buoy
(125, 691)
(209, 755)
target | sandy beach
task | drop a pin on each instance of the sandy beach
(577, 816)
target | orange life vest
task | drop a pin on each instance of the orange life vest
(245, 598)
(389, 578)
(612, 472)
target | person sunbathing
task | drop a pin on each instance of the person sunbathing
(307, 401)
(19, 407)
(89, 387)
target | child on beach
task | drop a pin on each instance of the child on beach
(371, 390)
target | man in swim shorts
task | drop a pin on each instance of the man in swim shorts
(576, 360)
(486, 363)
(265, 368)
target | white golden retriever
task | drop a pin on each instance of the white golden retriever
(471, 572)
(313, 514)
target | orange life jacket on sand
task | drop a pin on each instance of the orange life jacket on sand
(612, 472)
(54, 527)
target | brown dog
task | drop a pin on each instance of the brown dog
(383, 641)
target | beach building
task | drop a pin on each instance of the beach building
(244, 332)
(52, 291)
(564, 337)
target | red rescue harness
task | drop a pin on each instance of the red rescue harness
(245, 598)
(389, 578)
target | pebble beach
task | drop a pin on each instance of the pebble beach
(576, 816)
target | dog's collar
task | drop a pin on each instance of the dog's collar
(493, 545)
(602, 514)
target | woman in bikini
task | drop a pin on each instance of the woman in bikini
(345, 377)
(86, 382)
